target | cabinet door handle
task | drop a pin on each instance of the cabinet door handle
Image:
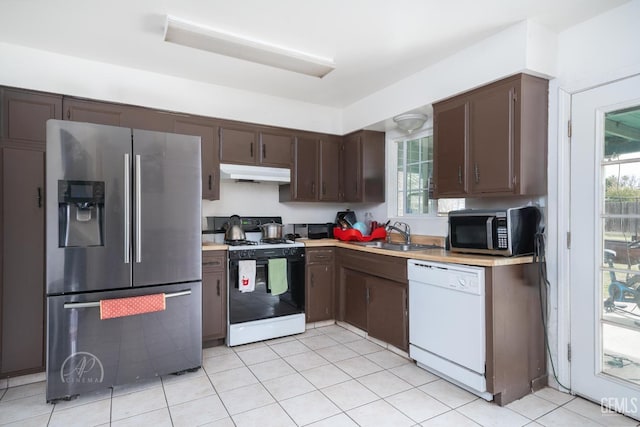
(210, 181)
(218, 286)
(368, 296)
(477, 173)
(313, 280)
(213, 263)
(39, 197)
(313, 188)
(264, 151)
(251, 150)
(460, 174)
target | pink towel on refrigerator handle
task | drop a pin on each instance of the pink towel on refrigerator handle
(121, 307)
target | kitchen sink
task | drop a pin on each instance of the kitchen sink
(402, 247)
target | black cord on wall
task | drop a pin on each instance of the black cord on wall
(543, 283)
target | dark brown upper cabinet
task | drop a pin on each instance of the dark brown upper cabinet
(207, 130)
(102, 113)
(275, 149)
(304, 177)
(330, 178)
(363, 166)
(106, 113)
(238, 145)
(245, 145)
(25, 114)
(492, 141)
(148, 119)
(316, 170)
(451, 127)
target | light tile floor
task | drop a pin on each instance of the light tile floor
(327, 376)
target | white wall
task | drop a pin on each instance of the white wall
(261, 199)
(525, 46)
(592, 53)
(50, 72)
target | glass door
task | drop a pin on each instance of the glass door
(620, 167)
(605, 247)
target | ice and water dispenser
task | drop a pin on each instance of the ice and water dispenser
(80, 213)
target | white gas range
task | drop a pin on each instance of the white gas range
(266, 285)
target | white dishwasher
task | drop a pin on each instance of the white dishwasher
(447, 322)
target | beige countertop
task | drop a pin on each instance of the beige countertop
(214, 247)
(438, 255)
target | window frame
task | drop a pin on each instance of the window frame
(407, 191)
(395, 138)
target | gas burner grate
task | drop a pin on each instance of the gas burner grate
(240, 242)
(274, 241)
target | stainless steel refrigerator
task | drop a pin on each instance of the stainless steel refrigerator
(123, 225)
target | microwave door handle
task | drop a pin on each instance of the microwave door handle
(490, 232)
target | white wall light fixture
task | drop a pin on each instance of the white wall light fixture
(200, 37)
(409, 122)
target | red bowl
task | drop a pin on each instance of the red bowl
(353, 234)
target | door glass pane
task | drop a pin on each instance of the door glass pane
(620, 273)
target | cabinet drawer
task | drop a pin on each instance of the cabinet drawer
(214, 261)
(320, 256)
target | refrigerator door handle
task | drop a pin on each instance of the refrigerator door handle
(138, 195)
(127, 208)
(89, 304)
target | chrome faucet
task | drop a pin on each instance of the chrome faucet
(405, 231)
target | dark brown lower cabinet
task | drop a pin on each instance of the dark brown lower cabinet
(516, 356)
(387, 316)
(373, 295)
(214, 295)
(23, 291)
(319, 284)
(355, 301)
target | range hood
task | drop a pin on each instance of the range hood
(254, 173)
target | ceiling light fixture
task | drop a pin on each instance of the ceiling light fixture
(409, 122)
(221, 42)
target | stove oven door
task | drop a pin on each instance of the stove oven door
(260, 304)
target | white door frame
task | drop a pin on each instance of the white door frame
(558, 226)
(558, 223)
(587, 330)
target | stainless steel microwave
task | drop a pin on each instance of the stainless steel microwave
(506, 232)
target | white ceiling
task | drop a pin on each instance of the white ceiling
(373, 43)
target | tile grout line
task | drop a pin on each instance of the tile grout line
(297, 339)
(356, 379)
(301, 374)
(351, 378)
(589, 418)
(166, 399)
(218, 393)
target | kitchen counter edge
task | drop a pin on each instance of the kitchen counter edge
(214, 247)
(438, 255)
